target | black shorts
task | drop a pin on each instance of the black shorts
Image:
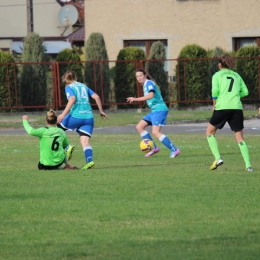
(234, 117)
(45, 167)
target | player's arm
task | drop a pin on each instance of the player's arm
(71, 101)
(243, 89)
(144, 98)
(214, 91)
(99, 104)
(30, 130)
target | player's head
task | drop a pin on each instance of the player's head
(142, 75)
(226, 61)
(51, 117)
(69, 77)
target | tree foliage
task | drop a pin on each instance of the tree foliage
(69, 59)
(125, 80)
(33, 83)
(8, 72)
(156, 68)
(248, 68)
(97, 67)
(193, 81)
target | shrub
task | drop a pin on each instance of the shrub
(156, 69)
(69, 59)
(33, 83)
(248, 68)
(193, 74)
(7, 80)
(97, 71)
(125, 80)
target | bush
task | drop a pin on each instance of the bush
(248, 68)
(97, 71)
(33, 84)
(7, 80)
(125, 80)
(156, 69)
(193, 74)
(69, 59)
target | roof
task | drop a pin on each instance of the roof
(78, 35)
(52, 47)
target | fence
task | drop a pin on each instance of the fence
(37, 86)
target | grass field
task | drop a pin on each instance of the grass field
(130, 207)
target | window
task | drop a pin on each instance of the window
(242, 42)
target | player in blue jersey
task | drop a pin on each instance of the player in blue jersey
(158, 115)
(78, 114)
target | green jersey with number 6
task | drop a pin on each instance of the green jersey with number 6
(227, 88)
(53, 140)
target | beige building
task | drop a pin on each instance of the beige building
(18, 17)
(228, 24)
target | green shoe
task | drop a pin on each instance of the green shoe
(88, 166)
(70, 151)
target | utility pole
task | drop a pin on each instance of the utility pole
(29, 4)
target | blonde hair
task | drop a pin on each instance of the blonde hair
(51, 117)
(69, 77)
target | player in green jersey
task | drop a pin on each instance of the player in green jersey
(53, 141)
(227, 90)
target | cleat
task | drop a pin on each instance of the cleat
(154, 151)
(175, 153)
(88, 166)
(69, 167)
(215, 164)
(69, 151)
(249, 169)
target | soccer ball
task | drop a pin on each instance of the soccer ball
(146, 145)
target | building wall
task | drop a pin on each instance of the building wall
(13, 18)
(209, 23)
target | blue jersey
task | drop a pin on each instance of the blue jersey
(156, 103)
(81, 108)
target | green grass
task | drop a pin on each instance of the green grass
(115, 119)
(130, 207)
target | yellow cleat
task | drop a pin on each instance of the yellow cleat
(215, 164)
(88, 166)
(70, 151)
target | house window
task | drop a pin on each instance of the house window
(242, 42)
(145, 45)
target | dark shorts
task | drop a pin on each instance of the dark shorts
(44, 167)
(234, 117)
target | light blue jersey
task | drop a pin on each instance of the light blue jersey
(81, 108)
(156, 103)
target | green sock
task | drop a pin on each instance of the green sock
(245, 153)
(213, 145)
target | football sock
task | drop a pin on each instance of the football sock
(213, 145)
(245, 153)
(167, 142)
(88, 153)
(146, 135)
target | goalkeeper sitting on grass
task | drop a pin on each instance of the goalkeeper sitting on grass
(53, 141)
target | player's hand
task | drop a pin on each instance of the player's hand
(60, 118)
(25, 117)
(130, 99)
(103, 115)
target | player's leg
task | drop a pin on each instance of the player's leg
(140, 127)
(85, 133)
(217, 120)
(236, 123)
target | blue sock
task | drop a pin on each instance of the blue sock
(88, 154)
(167, 142)
(146, 135)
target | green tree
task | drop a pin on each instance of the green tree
(156, 68)
(248, 68)
(8, 72)
(97, 67)
(192, 71)
(33, 83)
(69, 59)
(125, 80)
